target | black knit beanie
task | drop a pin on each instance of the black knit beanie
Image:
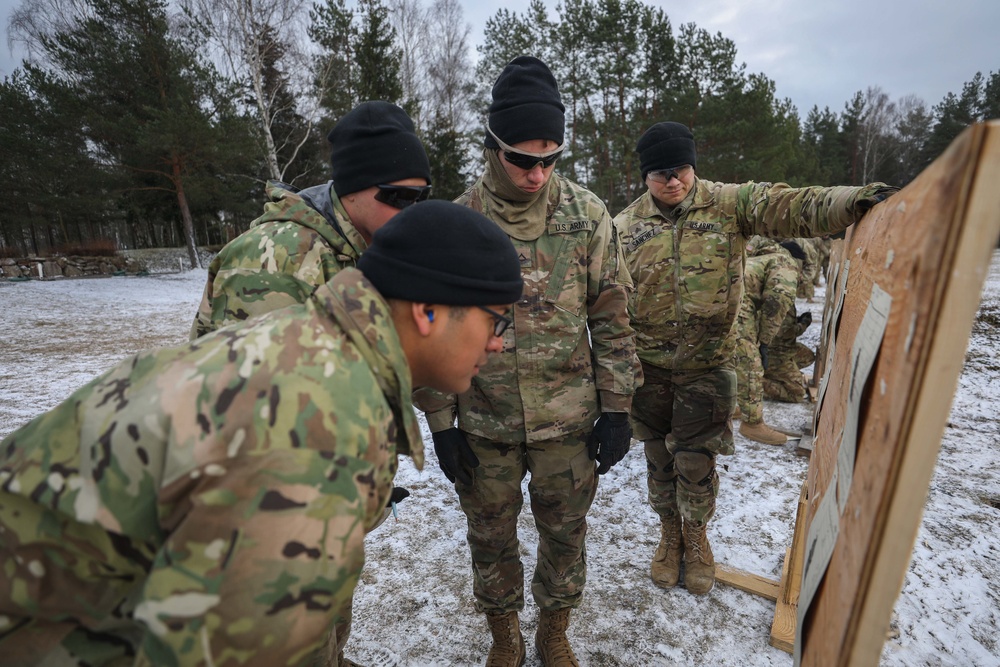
(373, 144)
(526, 104)
(665, 146)
(441, 252)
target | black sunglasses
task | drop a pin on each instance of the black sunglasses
(401, 196)
(500, 322)
(528, 162)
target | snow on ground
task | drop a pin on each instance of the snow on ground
(414, 605)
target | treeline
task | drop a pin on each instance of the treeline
(148, 124)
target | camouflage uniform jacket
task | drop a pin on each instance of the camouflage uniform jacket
(571, 351)
(769, 281)
(688, 267)
(301, 241)
(220, 490)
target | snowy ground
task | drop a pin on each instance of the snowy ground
(414, 606)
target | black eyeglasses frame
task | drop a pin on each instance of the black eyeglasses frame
(500, 321)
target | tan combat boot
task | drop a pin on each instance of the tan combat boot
(508, 642)
(762, 433)
(666, 567)
(699, 564)
(551, 641)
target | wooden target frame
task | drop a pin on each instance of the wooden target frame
(901, 299)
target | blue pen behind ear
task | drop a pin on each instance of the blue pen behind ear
(430, 315)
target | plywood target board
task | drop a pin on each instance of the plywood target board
(904, 294)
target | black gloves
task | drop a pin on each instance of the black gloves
(805, 319)
(763, 355)
(865, 204)
(454, 454)
(610, 440)
(398, 493)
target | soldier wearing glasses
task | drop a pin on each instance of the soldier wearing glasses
(305, 237)
(556, 398)
(207, 504)
(685, 245)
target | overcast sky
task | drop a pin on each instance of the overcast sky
(820, 52)
(817, 52)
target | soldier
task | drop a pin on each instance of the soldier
(684, 242)
(305, 237)
(207, 504)
(823, 248)
(811, 266)
(769, 283)
(568, 359)
(783, 379)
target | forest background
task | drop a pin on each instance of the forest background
(143, 123)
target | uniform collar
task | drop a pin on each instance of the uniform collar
(700, 196)
(365, 317)
(333, 223)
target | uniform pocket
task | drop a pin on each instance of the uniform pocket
(704, 280)
(583, 469)
(567, 282)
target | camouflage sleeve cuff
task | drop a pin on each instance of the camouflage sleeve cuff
(611, 402)
(441, 420)
(439, 408)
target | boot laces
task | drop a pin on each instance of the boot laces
(502, 655)
(506, 645)
(695, 546)
(557, 648)
(561, 652)
(671, 538)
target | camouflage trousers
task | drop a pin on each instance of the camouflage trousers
(803, 355)
(783, 379)
(333, 652)
(685, 421)
(561, 489)
(749, 381)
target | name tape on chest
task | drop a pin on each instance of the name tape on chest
(571, 226)
(704, 226)
(639, 234)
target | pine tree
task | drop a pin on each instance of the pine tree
(331, 29)
(146, 103)
(376, 56)
(446, 152)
